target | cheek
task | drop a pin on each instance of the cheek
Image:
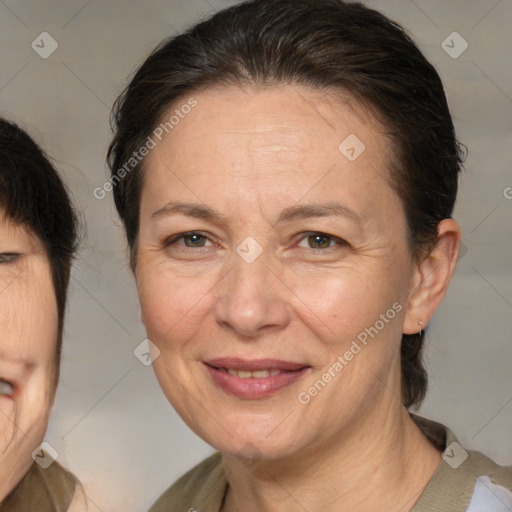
(171, 305)
(29, 324)
(43, 324)
(357, 316)
(341, 303)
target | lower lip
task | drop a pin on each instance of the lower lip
(255, 388)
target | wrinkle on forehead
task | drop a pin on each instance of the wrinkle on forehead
(279, 137)
(269, 147)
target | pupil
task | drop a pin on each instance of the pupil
(195, 240)
(319, 241)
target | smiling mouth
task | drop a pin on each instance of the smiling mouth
(246, 374)
(250, 379)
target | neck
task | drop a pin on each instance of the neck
(383, 463)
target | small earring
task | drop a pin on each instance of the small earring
(420, 323)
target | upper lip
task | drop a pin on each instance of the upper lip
(236, 363)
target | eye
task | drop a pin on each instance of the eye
(9, 257)
(194, 240)
(191, 239)
(320, 241)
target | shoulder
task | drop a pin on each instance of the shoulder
(492, 484)
(47, 489)
(81, 502)
(202, 489)
(465, 481)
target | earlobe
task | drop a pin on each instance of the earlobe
(431, 277)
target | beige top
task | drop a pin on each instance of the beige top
(460, 484)
(42, 490)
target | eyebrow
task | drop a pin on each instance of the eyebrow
(302, 211)
(196, 210)
(332, 209)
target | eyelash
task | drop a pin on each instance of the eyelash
(175, 238)
(339, 241)
(9, 257)
(320, 234)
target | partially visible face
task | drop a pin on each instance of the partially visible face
(264, 252)
(28, 336)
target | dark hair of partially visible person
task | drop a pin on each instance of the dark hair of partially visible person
(33, 195)
(327, 45)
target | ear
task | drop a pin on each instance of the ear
(431, 277)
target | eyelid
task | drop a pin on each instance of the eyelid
(304, 235)
(180, 236)
(173, 239)
(10, 257)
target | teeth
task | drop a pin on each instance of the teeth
(6, 388)
(258, 374)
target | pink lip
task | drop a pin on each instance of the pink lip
(251, 388)
(252, 365)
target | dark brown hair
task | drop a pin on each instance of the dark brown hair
(323, 44)
(33, 195)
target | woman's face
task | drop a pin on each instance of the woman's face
(273, 244)
(29, 327)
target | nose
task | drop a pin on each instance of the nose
(252, 299)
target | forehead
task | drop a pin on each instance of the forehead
(19, 234)
(301, 118)
(245, 142)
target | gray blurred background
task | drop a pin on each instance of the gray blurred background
(112, 425)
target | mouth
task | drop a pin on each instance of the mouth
(251, 379)
(6, 388)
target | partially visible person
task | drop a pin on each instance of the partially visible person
(38, 240)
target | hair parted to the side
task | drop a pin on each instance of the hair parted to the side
(327, 45)
(33, 195)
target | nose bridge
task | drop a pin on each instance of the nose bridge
(250, 298)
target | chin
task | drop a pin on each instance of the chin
(249, 439)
